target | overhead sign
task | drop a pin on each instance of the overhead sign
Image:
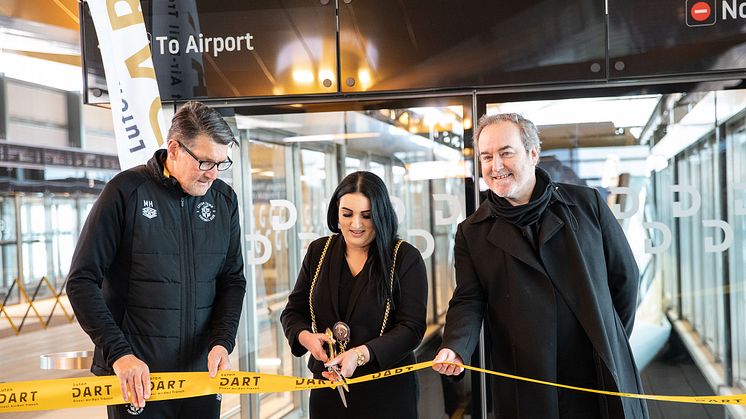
(213, 46)
(206, 49)
(21, 155)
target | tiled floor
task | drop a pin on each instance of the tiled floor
(673, 372)
(19, 359)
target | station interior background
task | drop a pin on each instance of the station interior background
(671, 163)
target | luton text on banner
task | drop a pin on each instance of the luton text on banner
(130, 78)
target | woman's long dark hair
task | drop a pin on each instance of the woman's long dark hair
(385, 223)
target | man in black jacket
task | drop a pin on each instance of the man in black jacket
(550, 271)
(157, 278)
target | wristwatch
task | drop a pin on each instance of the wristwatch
(360, 356)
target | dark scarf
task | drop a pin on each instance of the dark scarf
(527, 214)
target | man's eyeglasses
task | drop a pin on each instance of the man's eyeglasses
(206, 164)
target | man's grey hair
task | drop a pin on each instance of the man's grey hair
(196, 118)
(529, 133)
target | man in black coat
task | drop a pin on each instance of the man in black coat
(549, 270)
(156, 279)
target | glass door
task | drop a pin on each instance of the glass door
(295, 159)
(736, 133)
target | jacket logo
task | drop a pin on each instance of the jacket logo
(148, 211)
(134, 411)
(206, 211)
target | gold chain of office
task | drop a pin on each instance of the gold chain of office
(388, 299)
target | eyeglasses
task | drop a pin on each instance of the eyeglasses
(206, 165)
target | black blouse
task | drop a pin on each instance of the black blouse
(347, 282)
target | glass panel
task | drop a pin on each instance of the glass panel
(666, 263)
(667, 37)
(49, 228)
(296, 162)
(34, 239)
(736, 137)
(48, 240)
(697, 251)
(271, 172)
(8, 245)
(62, 233)
(686, 243)
(352, 164)
(316, 177)
(401, 45)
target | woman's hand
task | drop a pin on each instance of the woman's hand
(314, 343)
(347, 362)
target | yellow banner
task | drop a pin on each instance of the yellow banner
(26, 396)
(136, 107)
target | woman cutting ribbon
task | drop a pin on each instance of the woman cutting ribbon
(376, 285)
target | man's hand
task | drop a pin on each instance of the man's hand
(314, 343)
(134, 379)
(447, 355)
(217, 360)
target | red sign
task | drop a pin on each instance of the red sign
(700, 11)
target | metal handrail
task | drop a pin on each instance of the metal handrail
(74, 360)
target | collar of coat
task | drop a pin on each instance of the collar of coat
(156, 167)
(558, 195)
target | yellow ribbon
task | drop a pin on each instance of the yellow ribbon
(731, 399)
(24, 396)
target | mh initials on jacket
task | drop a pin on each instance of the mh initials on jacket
(148, 211)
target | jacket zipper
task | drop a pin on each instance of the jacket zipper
(187, 288)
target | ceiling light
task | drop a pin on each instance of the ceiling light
(302, 76)
(41, 72)
(331, 137)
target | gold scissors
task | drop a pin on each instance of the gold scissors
(334, 369)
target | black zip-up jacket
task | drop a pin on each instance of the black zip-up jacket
(158, 273)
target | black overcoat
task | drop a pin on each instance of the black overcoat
(394, 397)
(583, 251)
